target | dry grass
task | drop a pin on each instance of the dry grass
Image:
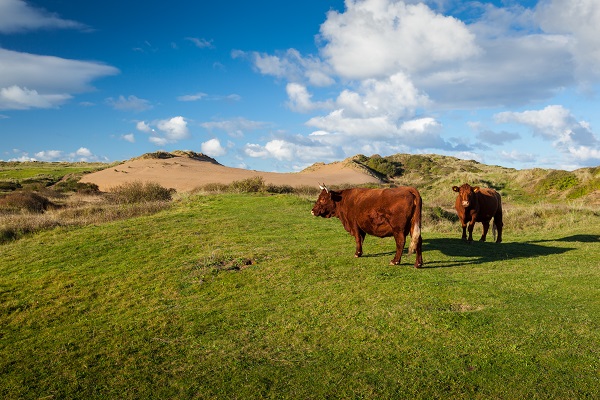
(23, 213)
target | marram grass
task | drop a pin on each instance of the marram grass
(249, 296)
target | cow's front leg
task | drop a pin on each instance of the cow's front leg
(486, 227)
(471, 225)
(360, 237)
(464, 235)
(400, 240)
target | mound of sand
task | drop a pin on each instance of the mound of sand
(185, 171)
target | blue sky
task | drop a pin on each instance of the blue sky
(276, 86)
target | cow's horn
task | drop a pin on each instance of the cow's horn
(323, 187)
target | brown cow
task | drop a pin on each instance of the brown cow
(475, 204)
(379, 212)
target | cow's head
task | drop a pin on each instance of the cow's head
(466, 194)
(325, 205)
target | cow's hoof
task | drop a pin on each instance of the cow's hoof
(394, 262)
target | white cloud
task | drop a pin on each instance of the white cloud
(577, 21)
(192, 97)
(556, 123)
(142, 126)
(300, 99)
(159, 141)
(201, 42)
(375, 38)
(130, 103)
(48, 74)
(291, 66)
(174, 129)
(49, 155)
(18, 16)
(33, 81)
(234, 127)
(130, 137)
(17, 98)
(292, 149)
(83, 152)
(165, 131)
(213, 148)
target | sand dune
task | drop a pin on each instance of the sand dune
(185, 173)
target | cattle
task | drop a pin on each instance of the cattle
(379, 212)
(475, 204)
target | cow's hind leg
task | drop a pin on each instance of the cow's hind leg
(419, 253)
(486, 227)
(400, 241)
(498, 224)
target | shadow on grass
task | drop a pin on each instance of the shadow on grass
(475, 253)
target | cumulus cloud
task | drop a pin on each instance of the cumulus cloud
(165, 131)
(213, 148)
(18, 16)
(375, 38)
(130, 103)
(292, 149)
(174, 129)
(577, 21)
(300, 100)
(49, 155)
(129, 137)
(557, 124)
(290, 65)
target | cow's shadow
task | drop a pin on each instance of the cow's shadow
(464, 253)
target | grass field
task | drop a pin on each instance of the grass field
(242, 296)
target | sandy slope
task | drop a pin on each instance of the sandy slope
(185, 174)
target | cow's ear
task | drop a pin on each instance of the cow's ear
(336, 196)
(456, 188)
(476, 189)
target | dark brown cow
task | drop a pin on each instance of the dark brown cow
(379, 212)
(475, 204)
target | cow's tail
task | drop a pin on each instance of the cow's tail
(415, 229)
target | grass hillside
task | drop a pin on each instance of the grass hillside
(434, 176)
(248, 296)
(35, 174)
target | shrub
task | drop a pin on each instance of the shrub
(139, 192)
(25, 201)
(279, 189)
(9, 186)
(213, 188)
(249, 185)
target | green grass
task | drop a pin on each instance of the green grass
(249, 296)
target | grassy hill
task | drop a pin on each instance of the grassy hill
(247, 296)
(434, 175)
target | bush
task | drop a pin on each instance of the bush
(139, 192)
(249, 185)
(9, 186)
(25, 201)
